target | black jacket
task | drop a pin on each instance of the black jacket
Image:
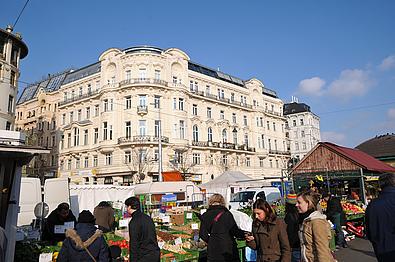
(220, 235)
(380, 223)
(292, 229)
(97, 245)
(49, 226)
(335, 207)
(143, 245)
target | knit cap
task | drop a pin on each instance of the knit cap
(291, 199)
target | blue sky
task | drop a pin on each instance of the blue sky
(337, 56)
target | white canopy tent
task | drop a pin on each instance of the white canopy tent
(222, 184)
(87, 197)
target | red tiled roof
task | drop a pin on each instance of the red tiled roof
(360, 158)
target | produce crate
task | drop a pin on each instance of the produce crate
(354, 216)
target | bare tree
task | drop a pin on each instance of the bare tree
(141, 162)
(182, 161)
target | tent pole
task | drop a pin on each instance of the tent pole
(363, 187)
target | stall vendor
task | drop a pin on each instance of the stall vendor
(58, 221)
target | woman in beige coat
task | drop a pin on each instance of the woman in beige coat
(314, 232)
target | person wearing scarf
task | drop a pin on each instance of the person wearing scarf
(314, 230)
(269, 234)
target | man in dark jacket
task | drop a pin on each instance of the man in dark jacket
(218, 229)
(86, 243)
(55, 221)
(335, 213)
(380, 220)
(143, 245)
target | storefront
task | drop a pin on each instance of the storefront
(341, 171)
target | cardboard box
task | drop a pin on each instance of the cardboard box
(177, 219)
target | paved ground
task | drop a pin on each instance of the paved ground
(359, 250)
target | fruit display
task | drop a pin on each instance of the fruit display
(350, 208)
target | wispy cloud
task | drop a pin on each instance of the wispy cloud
(351, 82)
(311, 86)
(334, 137)
(391, 114)
(387, 63)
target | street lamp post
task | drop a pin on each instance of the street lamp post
(157, 105)
(160, 146)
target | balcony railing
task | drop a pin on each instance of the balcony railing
(143, 81)
(77, 98)
(223, 145)
(142, 110)
(279, 152)
(142, 139)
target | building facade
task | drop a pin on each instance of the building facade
(303, 129)
(12, 50)
(117, 120)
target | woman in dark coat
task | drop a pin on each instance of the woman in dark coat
(292, 221)
(219, 230)
(335, 213)
(269, 234)
(86, 243)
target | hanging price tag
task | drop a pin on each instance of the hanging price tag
(161, 244)
(194, 226)
(178, 241)
(202, 211)
(45, 257)
(189, 215)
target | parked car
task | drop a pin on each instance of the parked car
(243, 198)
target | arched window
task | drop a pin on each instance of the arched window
(195, 133)
(224, 136)
(235, 136)
(210, 134)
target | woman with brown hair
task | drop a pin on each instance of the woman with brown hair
(269, 234)
(314, 231)
(219, 230)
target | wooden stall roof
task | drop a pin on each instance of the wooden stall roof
(328, 157)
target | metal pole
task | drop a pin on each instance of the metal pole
(160, 147)
(363, 187)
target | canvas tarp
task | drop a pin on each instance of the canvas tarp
(193, 193)
(221, 184)
(87, 197)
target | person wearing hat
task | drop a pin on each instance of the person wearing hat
(291, 219)
(85, 243)
(55, 222)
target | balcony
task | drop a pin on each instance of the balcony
(143, 81)
(271, 112)
(142, 110)
(279, 152)
(223, 145)
(142, 140)
(77, 98)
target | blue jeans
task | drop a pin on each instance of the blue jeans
(295, 255)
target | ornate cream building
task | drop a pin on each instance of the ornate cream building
(117, 120)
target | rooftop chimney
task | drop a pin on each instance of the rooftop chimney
(9, 28)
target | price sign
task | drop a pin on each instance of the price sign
(189, 215)
(59, 229)
(202, 211)
(194, 226)
(161, 244)
(123, 223)
(45, 257)
(166, 219)
(178, 241)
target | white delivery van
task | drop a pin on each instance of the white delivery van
(243, 198)
(56, 191)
